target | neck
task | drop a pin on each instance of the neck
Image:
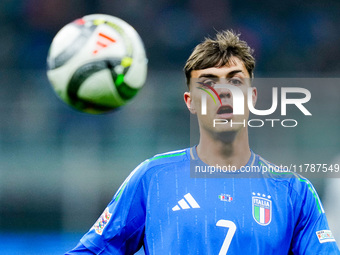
(224, 149)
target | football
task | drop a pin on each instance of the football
(97, 63)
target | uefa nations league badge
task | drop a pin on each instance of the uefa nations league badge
(101, 223)
(262, 208)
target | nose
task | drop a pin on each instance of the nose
(223, 91)
(225, 94)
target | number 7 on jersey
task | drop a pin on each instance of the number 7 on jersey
(232, 228)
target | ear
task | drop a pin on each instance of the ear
(254, 96)
(188, 102)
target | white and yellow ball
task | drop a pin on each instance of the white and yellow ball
(97, 63)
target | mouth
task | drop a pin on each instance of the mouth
(225, 111)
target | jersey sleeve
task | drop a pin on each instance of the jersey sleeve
(311, 234)
(120, 228)
(80, 249)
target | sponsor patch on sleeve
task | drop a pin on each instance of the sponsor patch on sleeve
(101, 223)
(325, 236)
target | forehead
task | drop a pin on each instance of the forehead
(223, 71)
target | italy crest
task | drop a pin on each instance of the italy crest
(262, 209)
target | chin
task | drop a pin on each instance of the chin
(226, 135)
(223, 129)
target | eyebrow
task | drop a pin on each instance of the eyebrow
(210, 75)
(207, 75)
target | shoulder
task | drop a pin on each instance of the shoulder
(275, 172)
(140, 177)
(158, 162)
(299, 187)
(171, 157)
(306, 192)
(284, 175)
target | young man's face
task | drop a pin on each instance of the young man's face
(222, 108)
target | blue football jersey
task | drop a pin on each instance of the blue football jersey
(165, 208)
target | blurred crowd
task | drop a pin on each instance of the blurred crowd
(288, 36)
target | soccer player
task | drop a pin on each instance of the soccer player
(165, 208)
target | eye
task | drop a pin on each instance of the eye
(235, 81)
(208, 82)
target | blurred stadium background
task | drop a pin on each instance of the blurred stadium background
(59, 168)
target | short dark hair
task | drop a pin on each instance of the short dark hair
(217, 52)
